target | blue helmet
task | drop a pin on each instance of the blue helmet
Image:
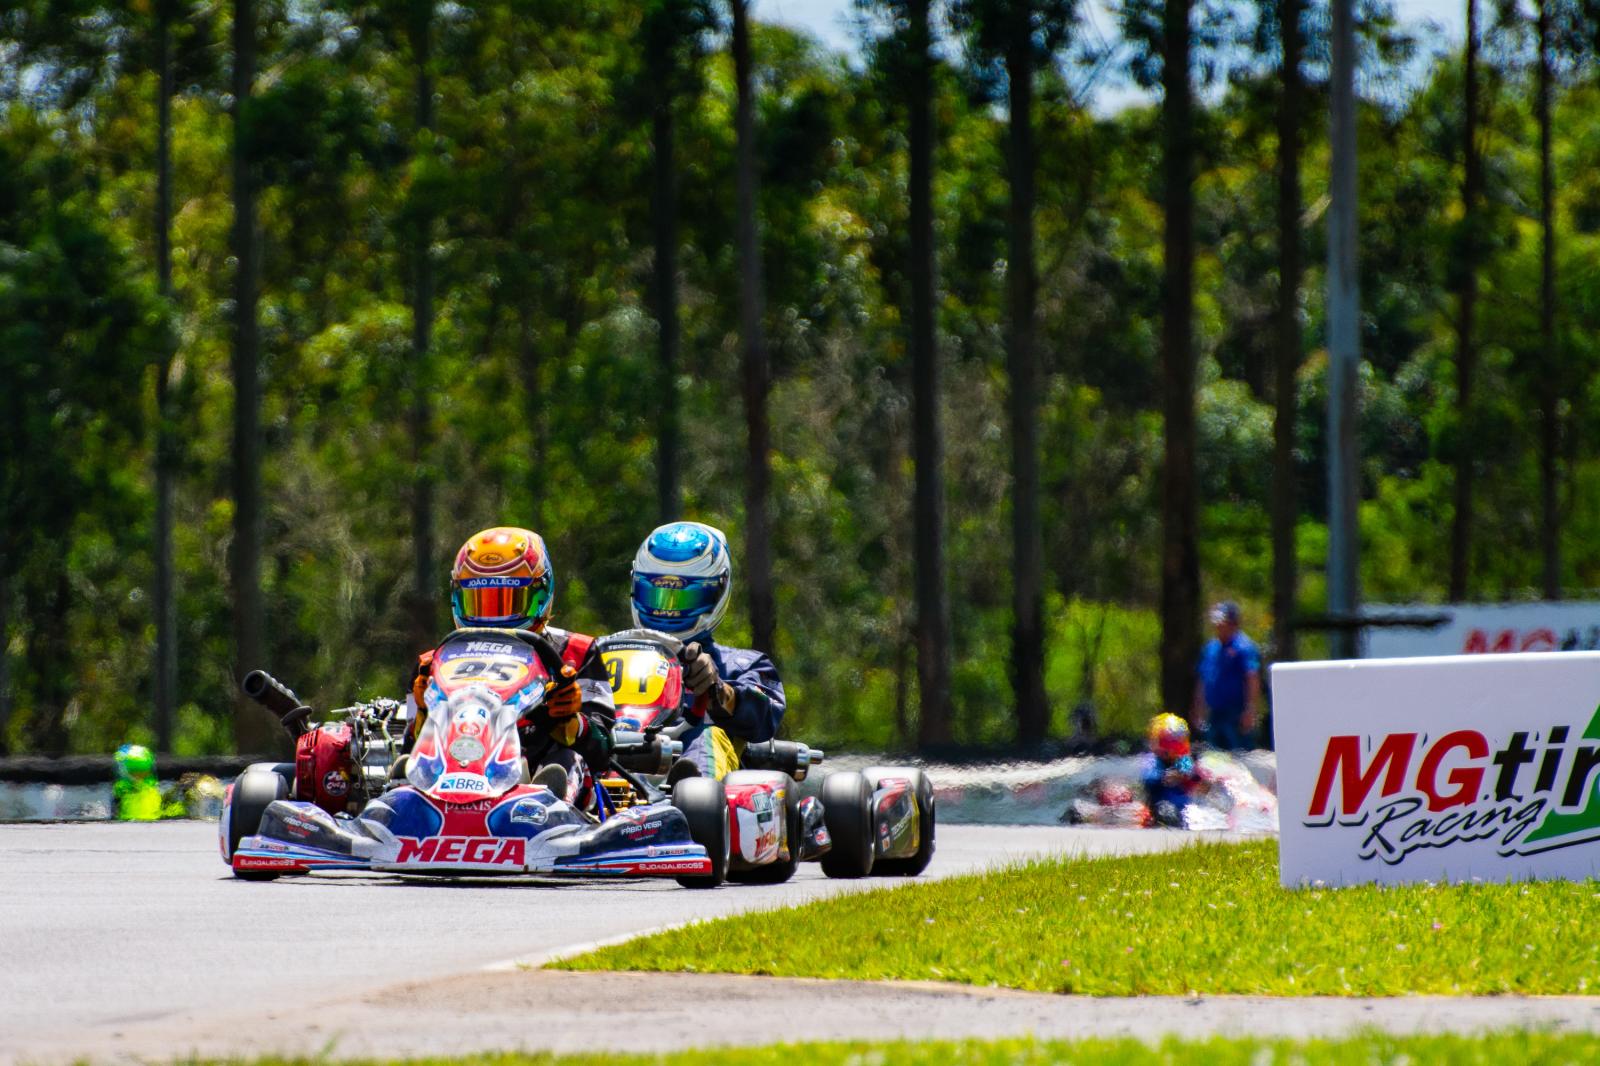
(682, 578)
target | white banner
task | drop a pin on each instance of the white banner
(1476, 628)
(1451, 768)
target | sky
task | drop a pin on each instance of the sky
(829, 20)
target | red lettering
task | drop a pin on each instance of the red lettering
(481, 849)
(1540, 640)
(1477, 643)
(1505, 642)
(450, 849)
(1343, 757)
(417, 850)
(1467, 779)
(511, 852)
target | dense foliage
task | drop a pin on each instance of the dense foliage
(533, 191)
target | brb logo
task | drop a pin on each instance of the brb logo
(1533, 792)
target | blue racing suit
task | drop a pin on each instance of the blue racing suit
(716, 739)
(1168, 781)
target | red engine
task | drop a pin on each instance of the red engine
(323, 767)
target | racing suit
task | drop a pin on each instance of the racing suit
(1169, 786)
(717, 736)
(579, 743)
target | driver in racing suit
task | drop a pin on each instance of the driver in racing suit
(682, 580)
(502, 579)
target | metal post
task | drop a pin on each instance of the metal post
(1344, 338)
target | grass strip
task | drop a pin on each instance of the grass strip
(1535, 1047)
(1209, 919)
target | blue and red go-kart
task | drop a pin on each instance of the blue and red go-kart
(461, 803)
(879, 821)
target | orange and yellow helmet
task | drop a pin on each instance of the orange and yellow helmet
(502, 579)
(1169, 736)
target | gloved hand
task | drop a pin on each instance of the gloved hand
(699, 671)
(564, 699)
(700, 675)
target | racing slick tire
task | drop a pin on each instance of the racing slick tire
(704, 804)
(847, 812)
(927, 823)
(779, 870)
(252, 792)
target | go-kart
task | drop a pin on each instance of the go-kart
(464, 804)
(880, 821)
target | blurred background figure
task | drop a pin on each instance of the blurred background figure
(1227, 691)
(1170, 779)
(136, 795)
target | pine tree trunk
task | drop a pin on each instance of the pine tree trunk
(1180, 562)
(6, 699)
(425, 594)
(1284, 506)
(163, 598)
(933, 610)
(1466, 340)
(1027, 542)
(1549, 360)
(757, 365)
(253, 726)
(664, 211)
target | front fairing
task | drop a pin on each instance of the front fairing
(468, 748)
(646, 677)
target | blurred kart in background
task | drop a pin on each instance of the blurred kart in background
(1228, 797)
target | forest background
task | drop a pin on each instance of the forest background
(296, 294)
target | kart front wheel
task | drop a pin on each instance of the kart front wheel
(918, 860)
(847, 812)
(704, 804)
(252, 792)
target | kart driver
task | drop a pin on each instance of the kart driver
(502, 579)
(682, 580)
(1170, 778)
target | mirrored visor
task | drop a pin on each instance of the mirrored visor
(491, 598)
(677, 595)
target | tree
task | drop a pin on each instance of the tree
(252, 726)
(1469, 243)
(1285, 509)
(928, 510)
(1024, 33)
(1180, 556)
(425, 600)
(671, 32)
(1548, 392)
(164, 599)
(756, 365)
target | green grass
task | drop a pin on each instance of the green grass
(1367, 1049)
(1209, 919)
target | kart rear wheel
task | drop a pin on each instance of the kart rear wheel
(252, 792)
(926, 825)
(779, 870)
(847, 812)
(704, 804)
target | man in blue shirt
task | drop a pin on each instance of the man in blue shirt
(1228, 690)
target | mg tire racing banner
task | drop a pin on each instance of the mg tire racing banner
(1479, 628)
(1450, 768)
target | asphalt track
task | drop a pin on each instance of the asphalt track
(132, 943)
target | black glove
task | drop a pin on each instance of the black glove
(700, 674)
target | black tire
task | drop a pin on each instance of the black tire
(927, 824)
(704, 804)
(780, 870)
(847, 812)
(252, 792)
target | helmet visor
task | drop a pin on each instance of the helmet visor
(497, 599)
(677, 597)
